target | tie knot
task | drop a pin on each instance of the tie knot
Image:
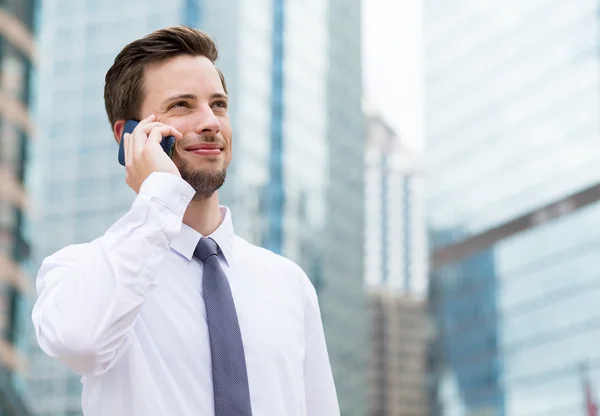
(206, 247)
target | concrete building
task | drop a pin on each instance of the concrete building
(399, 334)
(17, 59)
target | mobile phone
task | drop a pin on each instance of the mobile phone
(167, 143)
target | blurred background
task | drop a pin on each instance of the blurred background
(434, 166)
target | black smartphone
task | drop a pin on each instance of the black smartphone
(167, 143)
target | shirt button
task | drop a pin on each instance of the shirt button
(139, 289)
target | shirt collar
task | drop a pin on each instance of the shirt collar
(186, 241)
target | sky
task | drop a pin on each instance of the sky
(392, 65)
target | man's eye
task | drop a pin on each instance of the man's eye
(221, 104)
(180, 104)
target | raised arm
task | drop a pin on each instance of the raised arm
(90, 294)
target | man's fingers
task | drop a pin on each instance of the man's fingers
(150, 131)
(143, 156)
(128, 149)
(140, 134)
(172, 131)
(147, 120)
(159, 132)
(156, 135)
(138, 140)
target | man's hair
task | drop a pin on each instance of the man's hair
(124, 82)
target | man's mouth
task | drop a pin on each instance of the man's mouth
(205, 149)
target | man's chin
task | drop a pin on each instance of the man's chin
(206, 181)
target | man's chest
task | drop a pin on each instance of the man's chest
(269, 308)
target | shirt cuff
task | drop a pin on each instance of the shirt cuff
(170, 189)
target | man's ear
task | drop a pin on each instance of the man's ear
(118, 129)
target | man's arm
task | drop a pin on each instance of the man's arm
(321, 395)
(90, 294)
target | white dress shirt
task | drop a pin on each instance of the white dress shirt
(126, 312)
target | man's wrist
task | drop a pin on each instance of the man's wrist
(170, 189)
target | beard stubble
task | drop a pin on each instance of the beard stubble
(204, 181)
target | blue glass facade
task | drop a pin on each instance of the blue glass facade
(385, 208)
(341, 240)
(275, 193)
(513, 124)
(464, 307)
(190, 13)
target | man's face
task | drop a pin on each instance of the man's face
(186, 92)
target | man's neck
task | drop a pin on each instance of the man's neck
(204, 215)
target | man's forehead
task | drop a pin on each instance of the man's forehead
(184, 75)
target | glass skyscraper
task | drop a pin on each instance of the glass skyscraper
(339, 261)
(513, 181)
(289, 88)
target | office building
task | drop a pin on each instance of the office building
(282, 95)
(513, 184)
(340, 244)
(395, 244)
(17, 60)
(399, 334)
(395, 274)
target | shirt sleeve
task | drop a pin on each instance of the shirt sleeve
(321, 395)
(89, 295)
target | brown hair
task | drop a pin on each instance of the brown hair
(124, 81)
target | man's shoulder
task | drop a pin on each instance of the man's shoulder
(267, 258)
(275, 265)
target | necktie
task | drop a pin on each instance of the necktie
(230, 378)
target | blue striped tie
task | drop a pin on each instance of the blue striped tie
(230, 378)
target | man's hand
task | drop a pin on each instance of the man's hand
(143, 153)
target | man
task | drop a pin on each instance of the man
(169, 312)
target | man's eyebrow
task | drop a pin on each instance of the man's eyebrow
(219, 95)
(181, 97)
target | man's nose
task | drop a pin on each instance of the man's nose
(208, 123)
